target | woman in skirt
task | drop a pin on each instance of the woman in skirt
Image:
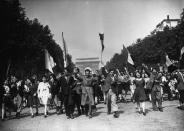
(44, 94)
(139, 94)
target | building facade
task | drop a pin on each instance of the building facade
(93, 63)
(166, 23)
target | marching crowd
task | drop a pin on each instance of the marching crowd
(67, 91)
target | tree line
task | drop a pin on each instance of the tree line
(152, 49)
(23, 42)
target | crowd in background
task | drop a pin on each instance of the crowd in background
(66, 91)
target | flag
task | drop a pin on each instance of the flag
(182, 51)
(102, 41)
(168, 61)
(127, 55)
(65, 51)
(49, 62)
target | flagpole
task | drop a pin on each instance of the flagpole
(101, 57)
(8, 68)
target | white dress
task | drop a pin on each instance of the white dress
(43, 92)
(132, 86)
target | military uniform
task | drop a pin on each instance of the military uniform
(156, 90)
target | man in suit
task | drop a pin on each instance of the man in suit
(67, 82)
(77, 90)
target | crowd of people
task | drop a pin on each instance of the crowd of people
(66, 91)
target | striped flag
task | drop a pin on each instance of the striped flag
(65, 49)
(168, 61)
(127, 55)
(102, 41)
(49, 62)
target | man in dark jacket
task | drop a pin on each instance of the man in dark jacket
(67, 82)
(77, 90)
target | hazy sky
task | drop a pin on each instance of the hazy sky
(122, 21)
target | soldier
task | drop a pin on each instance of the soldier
(156, 91)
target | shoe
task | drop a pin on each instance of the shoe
(90, 116)
(160, 109)
(5, 115)
(32, 116)
(72, 117)
(79, 114)
(68, 117)
(36, 114)
(45, 116)
(140, 112)
(144, 113)
(116, 115)
(17, 114)
(155, 109)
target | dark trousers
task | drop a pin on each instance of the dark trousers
(69, 109)
(77, 102)
(35, 98)
(181, 96)
(108, 103)
(156, 99)
(169, 94)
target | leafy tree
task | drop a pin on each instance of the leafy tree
(151, 50)
(23, 42)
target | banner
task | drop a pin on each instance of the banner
(128, 57)
(49, 62)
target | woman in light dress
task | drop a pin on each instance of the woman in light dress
(44, 94)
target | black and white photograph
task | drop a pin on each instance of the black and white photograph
(92, 65)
